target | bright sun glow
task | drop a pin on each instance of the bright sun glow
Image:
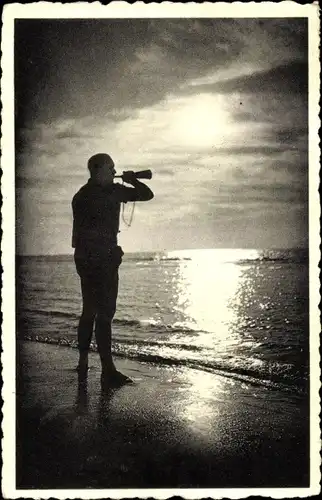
(200, 121)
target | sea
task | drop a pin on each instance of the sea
(239, 313)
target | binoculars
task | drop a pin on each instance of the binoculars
(142, 174)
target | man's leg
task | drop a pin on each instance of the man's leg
(103, 330)
(85, 332)
(106, 310)
(86, 321)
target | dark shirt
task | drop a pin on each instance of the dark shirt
(96, 213)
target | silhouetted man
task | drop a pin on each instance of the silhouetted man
(96, 211)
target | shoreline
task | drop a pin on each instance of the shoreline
(171, 429)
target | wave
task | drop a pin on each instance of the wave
(279, 380)
(41, 312)
(131, 323)
(245, 375)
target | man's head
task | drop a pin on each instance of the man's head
(102, 170)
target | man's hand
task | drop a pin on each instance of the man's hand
(129, 177)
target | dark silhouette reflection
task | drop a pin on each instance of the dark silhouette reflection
(81, 404)
(82, 398)
(103, 408)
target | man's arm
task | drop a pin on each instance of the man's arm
(74, 229)
(139, 192)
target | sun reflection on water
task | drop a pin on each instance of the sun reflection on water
(199, 405)
(207, 291)
(211, 287)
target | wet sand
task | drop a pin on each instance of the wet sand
(174, 428)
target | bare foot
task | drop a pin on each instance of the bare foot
(114, 379)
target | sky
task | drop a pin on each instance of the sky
(216, 108)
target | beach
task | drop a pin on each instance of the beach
(175, 427)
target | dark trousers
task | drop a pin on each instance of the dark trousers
(99, 283)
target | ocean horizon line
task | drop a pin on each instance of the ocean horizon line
(270, 249)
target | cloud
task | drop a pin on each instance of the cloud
(273, 193)
(283, 79)
(77, 67)
(248, 150)
(23, 182)
(72, 133)
(292, 135)
(290, 78)
(243, 116)
(166, 172)
(216, 42)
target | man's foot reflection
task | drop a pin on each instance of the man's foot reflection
(82, 395)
